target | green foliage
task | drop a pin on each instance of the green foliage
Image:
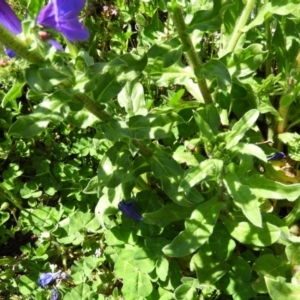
(125, 115)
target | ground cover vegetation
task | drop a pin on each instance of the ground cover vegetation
(149, 149)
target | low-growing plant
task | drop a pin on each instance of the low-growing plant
(149, 150)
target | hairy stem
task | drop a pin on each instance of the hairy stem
(191, 54)
(239, 26)
(11, 41)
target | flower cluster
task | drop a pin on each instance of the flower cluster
(61, 15)
(46, 279)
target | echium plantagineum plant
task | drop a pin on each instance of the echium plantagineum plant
(155, 154)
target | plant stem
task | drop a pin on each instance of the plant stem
(18, 46)
(10, 197)
(143, 149)
(269, 45)
(191, 54)
(294, 215)
(239, 26)
(92, 107)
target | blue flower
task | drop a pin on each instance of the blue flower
(128, 209)
(10, 21)
(47, 278)
(54, 295)
(62, 15)
(276, 156)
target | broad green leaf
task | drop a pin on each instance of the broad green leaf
(243, 198)
(107, 88)
(215, 69)
(127, 67)
(14, 93)
(170, 173)
(162, 268)
(30, 125)
(132, 99)
(270, 266)
(293, 254)
(247, 233)
(206, 20)
(204, 128)
(280, 290)
(169, 52)
(114, 165)
(208, 267)
(249, 149)
(244, 61)
(80, 292)
(154, 126)
(4, 216)
(221, 242)
(262, 187)
(108, 203)
(198, 228)
(82, 118)
(210, 114)
(185, 292)
(279, 7)
(167, 214)
(239, 128)
(208, 170)
(115, 130)
(130, 180)
(135, 282)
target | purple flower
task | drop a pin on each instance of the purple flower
(10, 21)
(47, 278)
(128, 209)
(276, 156)
(54, 295)
(62, 15)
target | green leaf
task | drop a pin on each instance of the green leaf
(204, 128)
(108, 203)
(270, 266)
(279, 7)
(249, 149)
(154, 126)
(132, 99)
(244, 61)
(215, 69)
(169, 52)
(208, 267)
(221, 242)
(185, 292)
(114, 165)
(107, 88)
(244, 199)
(239, 128)
(46, 112)
(209, 169)
(170, 173)
(4, 216)
(135, 282)
(279, 290)
(167, 214)
(198, 228)
(14, 93)
(247, 233)
(264, 188)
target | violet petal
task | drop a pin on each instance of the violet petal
(128, 209)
